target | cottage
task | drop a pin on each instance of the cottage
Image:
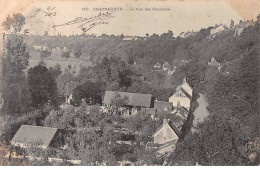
(166, 66)
(213, 62)
(166, 132)
(157, 65)
(181, 99)
(135, 101)
(162, 105)
(41, 137)
(185, 85)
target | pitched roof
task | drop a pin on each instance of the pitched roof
(184, 82)
(183, 91)
(173, 127)
(158, 64)
(162, 105)
(34, 135)
(166, 64)
(181, 111)
(150, 111)
(135, 99)
(213, 62)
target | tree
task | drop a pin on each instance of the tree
(119, 101)
(55, 71)
(77, 52)
(45, 53)
(42, 85)
(62, 81)
(65, 55)
(15, 23)
(14, 87)
(90, 91)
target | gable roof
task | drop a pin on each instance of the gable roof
(166, 64)
(184, 82)
(162, 105)
(149, 111)
(158, 64)
(213, 62)
(173, 127)
(34, 135)
(135, 99)
(183, 91)
(181, 110)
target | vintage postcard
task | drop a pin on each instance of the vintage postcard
(130, 83)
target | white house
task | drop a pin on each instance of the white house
(185, 85)
(166, 132)
(183, 95)
(181, 99)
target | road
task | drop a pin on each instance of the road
(200, 112)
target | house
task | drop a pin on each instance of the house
(166, 66)
(213, 62)
(135, 102)
(40, 47)
(183, 95)
(165, 138)
(157, 65)
(217, 29)
(181, 99)
(185, 85)
(162, 105)
(166, 132)
(152, 112)
(41, 137)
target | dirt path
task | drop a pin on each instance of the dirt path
(200, 112)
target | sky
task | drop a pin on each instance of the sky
(179, 16)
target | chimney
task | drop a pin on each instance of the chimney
(165, 121)
(184, 80)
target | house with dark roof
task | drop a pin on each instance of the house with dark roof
(135, 101)
(38, 136)
(180, 112)
(162, 105)
(152, 112)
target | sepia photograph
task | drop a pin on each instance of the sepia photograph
(130, 83)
